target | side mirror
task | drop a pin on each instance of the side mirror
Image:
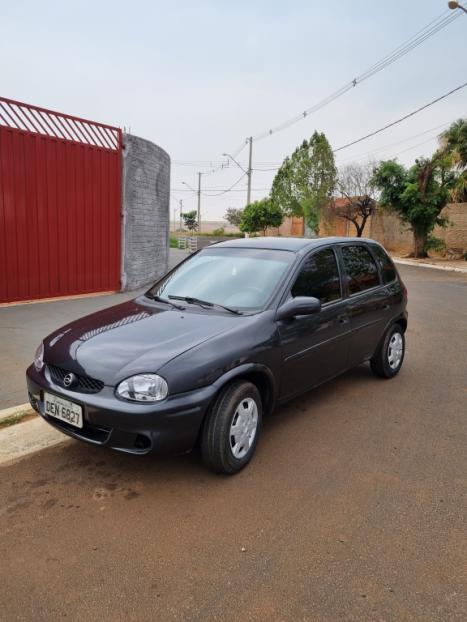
(301, 305)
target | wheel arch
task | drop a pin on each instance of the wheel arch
(259, 375)
(402, 321)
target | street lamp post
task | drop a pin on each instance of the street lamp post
(452, 4)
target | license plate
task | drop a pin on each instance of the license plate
(64, 410)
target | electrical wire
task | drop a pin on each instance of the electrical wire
(422, 35)
(387, 146)
(407, 116)
(228, 189)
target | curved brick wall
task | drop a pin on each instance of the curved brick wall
(145, 212)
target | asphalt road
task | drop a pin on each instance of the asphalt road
(353, 509)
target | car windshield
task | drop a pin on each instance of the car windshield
(239, 278)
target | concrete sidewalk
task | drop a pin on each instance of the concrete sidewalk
(22, 327)
(433, 262)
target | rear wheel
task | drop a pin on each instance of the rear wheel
(388, 358)
(232, 428)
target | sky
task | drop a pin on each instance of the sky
(197, 78)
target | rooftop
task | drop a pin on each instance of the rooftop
(282, 243)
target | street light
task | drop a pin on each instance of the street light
(452, 4)
(190, 187)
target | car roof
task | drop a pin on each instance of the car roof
(294, 245)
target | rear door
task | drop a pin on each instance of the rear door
(367, 302)
(315, 347)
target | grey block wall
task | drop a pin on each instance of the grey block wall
(145, 212)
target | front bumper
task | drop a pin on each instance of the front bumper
(171, 426)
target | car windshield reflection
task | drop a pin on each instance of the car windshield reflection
(239, 278)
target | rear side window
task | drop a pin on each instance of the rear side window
(385, 263)
(360, 268)
(319, 277)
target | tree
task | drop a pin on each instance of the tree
(354, 183)
(417, 194)
(454, 145)
(260, 215)
(233, 216)
(189, 218)
(304, 183)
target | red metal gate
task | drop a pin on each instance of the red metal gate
(60, 203)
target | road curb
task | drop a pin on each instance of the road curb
(18, 441)
(423, 264)
(16, 410)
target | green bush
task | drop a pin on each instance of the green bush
(219, 231)
(435, 244)
(173, 242)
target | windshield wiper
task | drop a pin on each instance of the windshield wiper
(205, 303)
(164, 300)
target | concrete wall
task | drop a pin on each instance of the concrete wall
(455, 234)
(145, 210)
(387, 228)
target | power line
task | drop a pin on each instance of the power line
(231, 189)
(220, 190)
(387, 146)
(422, 35)
(411, 114)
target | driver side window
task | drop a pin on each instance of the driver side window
(319, 277)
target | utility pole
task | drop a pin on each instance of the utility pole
(249, 172)
(199, 202)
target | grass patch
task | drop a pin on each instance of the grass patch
(24, 415)
(173, 242)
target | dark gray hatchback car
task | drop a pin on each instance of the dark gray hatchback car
(218, 342)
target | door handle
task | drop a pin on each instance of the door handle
(343, 319)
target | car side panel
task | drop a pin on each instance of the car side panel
(368, 312)
(314, 348)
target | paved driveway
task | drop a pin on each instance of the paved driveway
(353, 508)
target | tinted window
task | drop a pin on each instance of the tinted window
(362, 272)
(387, 267)
(319, 277)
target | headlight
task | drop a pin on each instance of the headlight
(39, 358)
(143, 388)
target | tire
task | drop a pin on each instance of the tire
(389, 356)
(239, 404)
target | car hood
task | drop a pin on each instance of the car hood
(131, 338)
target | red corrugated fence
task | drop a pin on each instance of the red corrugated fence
(60, 204)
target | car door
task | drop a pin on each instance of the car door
(367, 300)
(315, 347)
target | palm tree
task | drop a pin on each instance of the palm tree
(454, 146)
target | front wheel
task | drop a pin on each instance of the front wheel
(232, 428)
(388, 358)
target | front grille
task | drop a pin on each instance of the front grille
(85, 383)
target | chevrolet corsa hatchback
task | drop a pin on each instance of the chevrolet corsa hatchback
(218, 342)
